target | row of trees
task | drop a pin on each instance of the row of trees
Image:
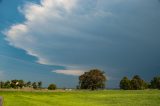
(95, 79)
(19, 84)
(136, 83)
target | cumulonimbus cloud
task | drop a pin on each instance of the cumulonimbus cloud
(94, 33)
(56, 31)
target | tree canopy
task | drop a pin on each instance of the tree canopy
(52, 87)
(125, 83)
(16, 84)
(136, 83)
(94, 79)
(155, 83)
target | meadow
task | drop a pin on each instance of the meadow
(82, 98)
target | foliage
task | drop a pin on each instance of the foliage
(2, 84)
(28, 84)
(52, 87)
(18, 84)
(135, 84)
(40, 84)
(94, 79)
(155, 83)
(21, 83)
(34, 85)
(125, 83)
(7, 84)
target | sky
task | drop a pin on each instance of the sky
(55, 41)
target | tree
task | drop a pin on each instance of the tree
(14, 83)
(94, 79)
(7, 84)
(28, 84)
(17, 83)
(1, 84)
(125, 83)
(20, 83)
(34, 85)
(52, 87)
(39, 84)
(155, 83)
(137, 83)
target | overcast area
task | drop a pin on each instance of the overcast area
(64, 38)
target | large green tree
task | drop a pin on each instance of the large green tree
(94, 79)
(125, 83)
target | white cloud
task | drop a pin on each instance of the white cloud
(89, 33)
(69, 72)
(55, 33)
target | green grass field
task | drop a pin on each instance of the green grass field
(82, 98)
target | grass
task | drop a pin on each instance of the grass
(82, 98)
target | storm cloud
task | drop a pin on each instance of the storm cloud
(119, 36)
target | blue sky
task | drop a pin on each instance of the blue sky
(54, 41)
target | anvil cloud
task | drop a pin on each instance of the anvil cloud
(118, 36)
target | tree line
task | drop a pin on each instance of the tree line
(96, 79)
(93, 79)
(19, 84)
(137, 83)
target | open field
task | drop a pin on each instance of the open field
(82, 98)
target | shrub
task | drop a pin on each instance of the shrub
(52, 87)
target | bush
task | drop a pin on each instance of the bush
(52, 87)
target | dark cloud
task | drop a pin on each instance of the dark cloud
(121, 37)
